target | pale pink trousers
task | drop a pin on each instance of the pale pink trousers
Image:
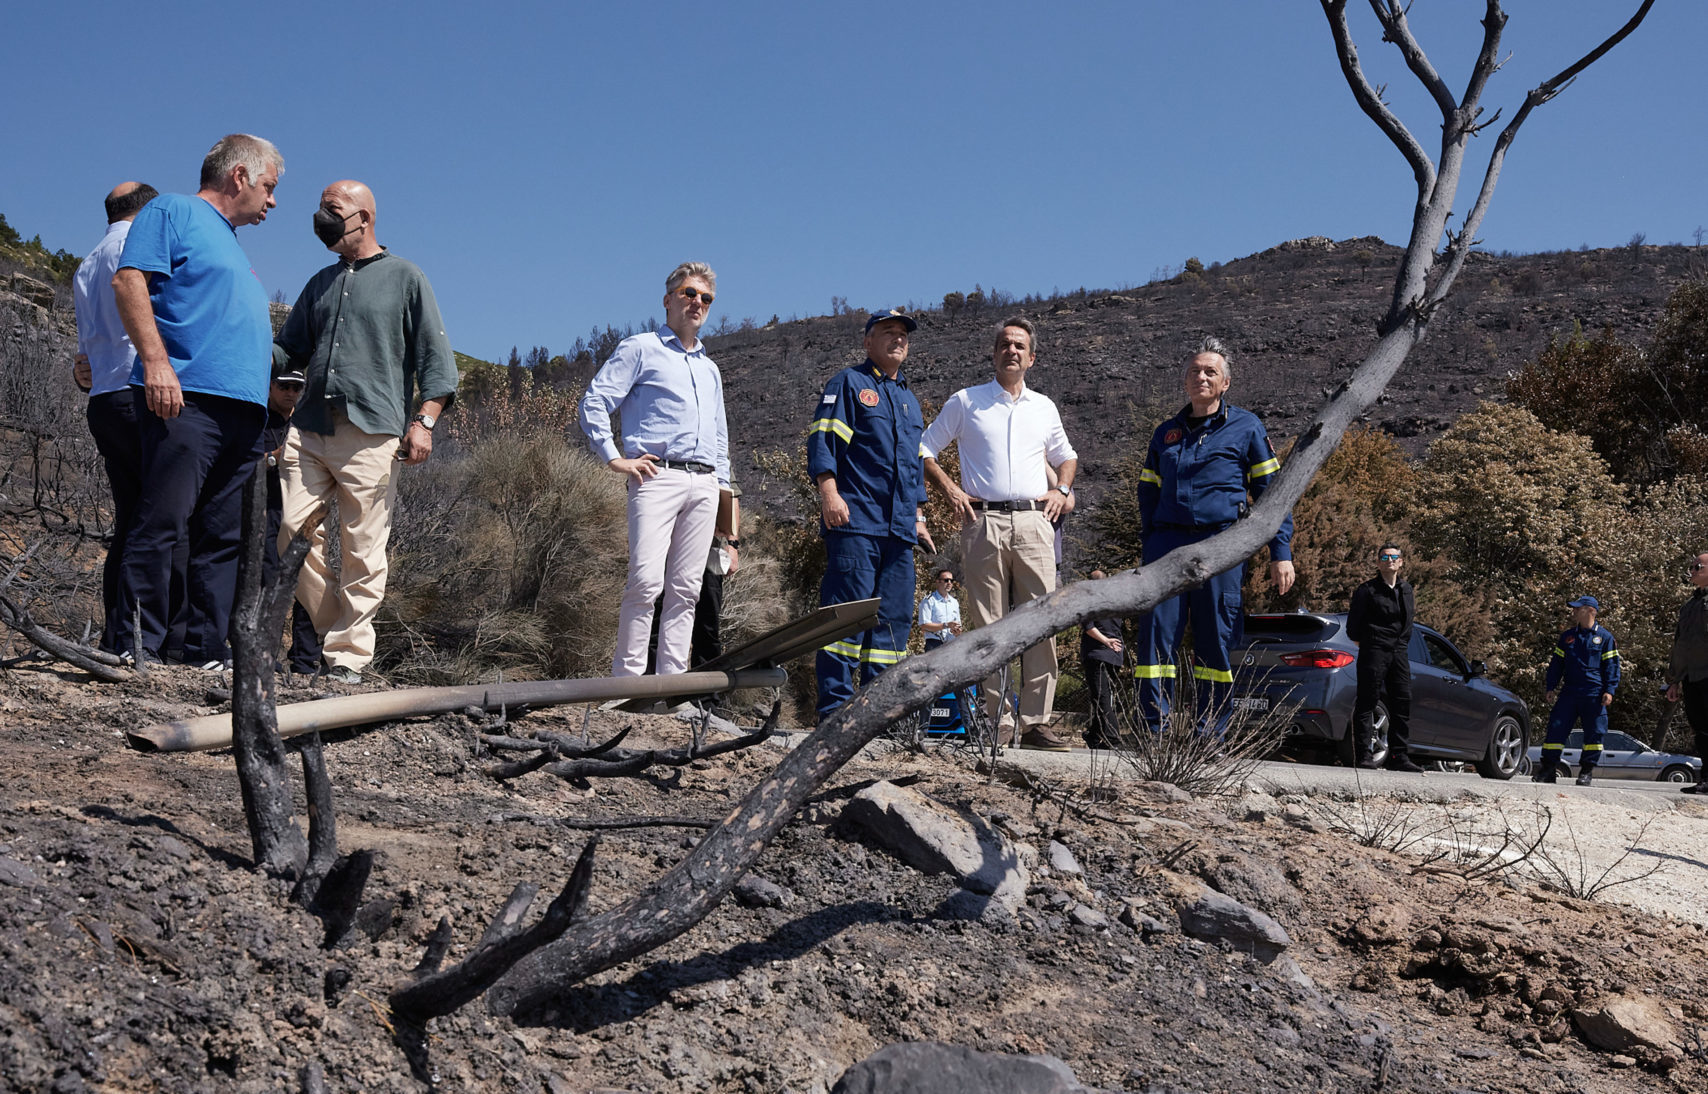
(671, 520)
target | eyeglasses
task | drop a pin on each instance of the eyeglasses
(692, 294)
(1389, 558)
(1695, 566)
(290, 385)
(945, 581)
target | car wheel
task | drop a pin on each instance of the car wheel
(1678, 773)
(1375, 745)
(1506, 750)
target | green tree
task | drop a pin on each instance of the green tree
(1522, 515)
(1645, 412)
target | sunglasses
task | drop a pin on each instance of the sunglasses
(1695, 566)
(290, 385)
(691, 294)
(1389, 558)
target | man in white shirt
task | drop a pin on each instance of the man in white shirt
(104, 359)
(1009, 438)
(940, 612)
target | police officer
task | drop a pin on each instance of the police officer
(1587, 660)
(863, 455)
(1202, 464)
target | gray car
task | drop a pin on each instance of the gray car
(1300, 668)
(1625, 757)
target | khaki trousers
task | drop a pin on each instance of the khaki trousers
(360, 470)
(1010, 558)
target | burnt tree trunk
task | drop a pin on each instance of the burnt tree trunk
(686, 894)
(279, 846)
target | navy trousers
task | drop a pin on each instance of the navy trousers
(193, 470)
(858, 568)
(1215, 612)
(1570, 709)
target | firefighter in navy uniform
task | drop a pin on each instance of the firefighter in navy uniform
(1586, 663)
(1202, 464)
(863, 455)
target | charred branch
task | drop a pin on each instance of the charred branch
(322, 823)
(501, 946)
(604, 824)
(517, 768)
(93, 662)
(1542, 93)
(621, 762)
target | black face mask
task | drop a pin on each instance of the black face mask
(329, 227)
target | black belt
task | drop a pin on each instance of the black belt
(1219, 526)
(693, 466)
(1008, 506)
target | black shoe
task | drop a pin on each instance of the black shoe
(1585, 780)
(1545, 777)
(1403, 763)
(1694, 788)
(1368, 765)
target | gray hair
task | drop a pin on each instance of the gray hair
(252, 154)
(1019, 322)
(687, 270)
(1212, 344)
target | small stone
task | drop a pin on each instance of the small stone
(1062, 860)
(1087, 916)
(753, 891)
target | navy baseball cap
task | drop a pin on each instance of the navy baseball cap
(291, 376)
(894, 313)
(1584, 602)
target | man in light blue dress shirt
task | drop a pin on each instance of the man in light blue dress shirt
(104, 359)
(940, 612)
(675, 451)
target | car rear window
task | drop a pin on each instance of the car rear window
(1291, 627)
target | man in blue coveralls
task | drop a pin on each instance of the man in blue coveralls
(1202, 464)
(1587, 660)
(863, 455)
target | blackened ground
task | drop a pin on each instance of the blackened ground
(138, 951)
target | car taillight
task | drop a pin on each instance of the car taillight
(1318, 659)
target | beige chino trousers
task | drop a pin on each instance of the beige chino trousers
(1010, 558)
(360, 470)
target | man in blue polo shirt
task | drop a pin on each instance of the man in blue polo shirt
(863, 455)
(197, 315)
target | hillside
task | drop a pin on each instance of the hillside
(1299, 317)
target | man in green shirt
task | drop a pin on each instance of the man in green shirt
(366, 333)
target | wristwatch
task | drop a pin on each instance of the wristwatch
(426, 420)
(733, 542)
(1065, 491)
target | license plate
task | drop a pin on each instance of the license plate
(1243, 703)
(940, 713)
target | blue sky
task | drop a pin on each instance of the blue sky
(547, 164)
